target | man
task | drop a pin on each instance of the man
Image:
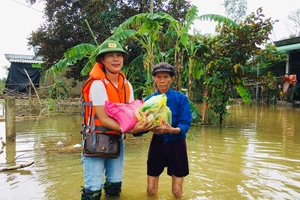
(168, 144)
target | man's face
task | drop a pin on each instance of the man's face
(163, 81)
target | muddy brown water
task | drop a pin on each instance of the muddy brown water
(256, 155)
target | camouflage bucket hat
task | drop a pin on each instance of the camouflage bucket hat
(111, 46)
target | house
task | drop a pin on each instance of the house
(291, 65)
(24, 71)
(292, 48)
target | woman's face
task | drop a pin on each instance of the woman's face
(113, 61)
(163, 81)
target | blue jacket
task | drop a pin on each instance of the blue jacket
(181, 114)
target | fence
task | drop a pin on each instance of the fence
(31, 106)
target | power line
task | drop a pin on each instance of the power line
(27, 6)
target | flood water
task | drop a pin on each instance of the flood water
(256, 155)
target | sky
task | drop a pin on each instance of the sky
(276, 10)
(18, 20)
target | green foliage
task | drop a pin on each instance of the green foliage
(197, 91)
(219, 19)
(2, 84)
(195, 114)
(58, 90)
(36, 65)
(269, 58)
(71, 56)
(190, 18)
(212, 117)
(244, 93)
(142, 90)
(65, 27)
(50, 104)
(229, 58)
(219, 62)
(147, 30)
(184, 46)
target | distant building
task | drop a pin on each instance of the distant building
(292, 64)
(23, 68)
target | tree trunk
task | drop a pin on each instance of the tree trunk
(151, 6)
(151, 68)
(204, 104)
(190, 83)
(178, 69)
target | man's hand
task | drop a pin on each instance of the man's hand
(164, 127)
(142, 126)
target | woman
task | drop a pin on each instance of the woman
(168, 144)
(106, 82)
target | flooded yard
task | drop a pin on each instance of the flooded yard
(256, 155)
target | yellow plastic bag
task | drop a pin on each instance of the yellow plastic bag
(155, 109)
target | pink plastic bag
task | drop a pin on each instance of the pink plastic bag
(123, 113)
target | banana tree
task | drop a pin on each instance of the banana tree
(179, 32)
(81, 51)
(188, 44)
(192, 48)
(146, 29)
(148, 32)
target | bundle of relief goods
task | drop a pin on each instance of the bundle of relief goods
(155, 109)
(123, 113)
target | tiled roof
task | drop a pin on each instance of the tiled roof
(17, 58)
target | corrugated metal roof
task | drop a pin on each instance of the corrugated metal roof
(290, 47)
(24, 61)
(286, 42)
(18, 58)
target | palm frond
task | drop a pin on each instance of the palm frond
(171, 34)
(137, 61)
(71, 57)
(87, 68)
(136, 21)
(219, 19)
(191, 16)
(122, 35)
(244, 93)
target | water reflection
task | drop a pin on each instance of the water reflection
(256, 155)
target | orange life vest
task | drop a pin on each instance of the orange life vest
(91, 122)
